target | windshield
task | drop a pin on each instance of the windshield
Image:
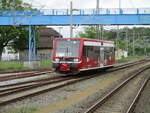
(67, 48)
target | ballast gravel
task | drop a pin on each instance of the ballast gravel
(62, 95)
(143, 105)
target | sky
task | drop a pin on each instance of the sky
(61, 4)
(85, 4)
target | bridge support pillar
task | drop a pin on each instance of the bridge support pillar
(32, 43)
(32, 61)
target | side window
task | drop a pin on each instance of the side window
(87, 51)
(96, 53)
(91, 51)
(85, 54)
(108, 51)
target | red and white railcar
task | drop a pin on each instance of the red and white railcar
(72, 55)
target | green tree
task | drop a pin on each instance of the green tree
(14, 36)
(89, 32)
(140, 35)
(10, 4)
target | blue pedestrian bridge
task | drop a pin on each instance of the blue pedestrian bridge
(51, 17)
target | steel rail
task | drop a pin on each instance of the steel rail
(133, 104)
(17, 71)
(30, 81)
(23, 75)
(54, 79)
(42, 88)
(100, 102)
(7, 91)
(30, 74)
(131, 63)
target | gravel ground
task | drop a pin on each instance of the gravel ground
(20, 80)
(80, 93)
(143, 105)
(120, 102)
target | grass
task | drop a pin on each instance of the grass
(23, 110)
(18, 65)
(11, 65)
(45, 63)
(126, 59)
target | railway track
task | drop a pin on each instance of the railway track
(22, 75)
(135, 100)
(58, 78)
(8, 96)
(21, 71)
(7, 78)
(106, 101)
(26, 75)
(131, 63)
(17, 91)
(27, 85)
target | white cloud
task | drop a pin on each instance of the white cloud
(57, 4)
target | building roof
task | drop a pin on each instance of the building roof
(44, 31)
(46, 37)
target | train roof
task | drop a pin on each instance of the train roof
(87, 39)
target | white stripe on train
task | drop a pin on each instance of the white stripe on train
(87, 43)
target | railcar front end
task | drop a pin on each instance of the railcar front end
(66, 56)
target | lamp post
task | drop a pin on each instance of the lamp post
(97, 4)
(71, 24)
(14, 13)
(60, 31)
(133, 42)
(117, 38)
(99, 27)
(71, 18)
(119, 4)
(127, 41)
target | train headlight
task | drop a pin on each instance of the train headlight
(57, 60)
(76, 60)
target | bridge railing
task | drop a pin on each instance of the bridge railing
(102, 11)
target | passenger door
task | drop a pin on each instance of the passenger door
(101, 56)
